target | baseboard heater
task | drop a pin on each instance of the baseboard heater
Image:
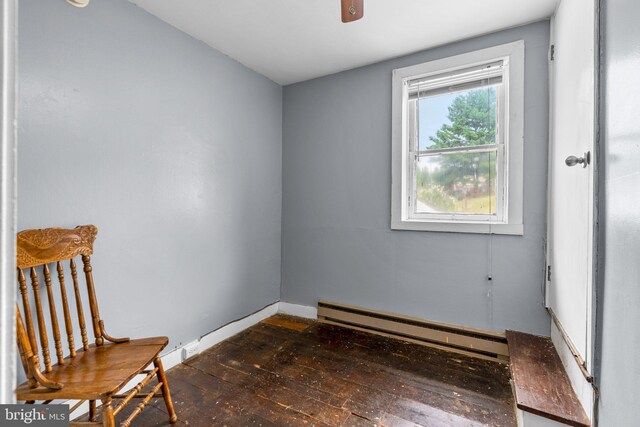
(470, 341)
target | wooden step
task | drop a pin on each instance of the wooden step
(541, 384)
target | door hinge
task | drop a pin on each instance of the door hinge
(552, 52)
(548, 273)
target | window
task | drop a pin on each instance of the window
(457, 143)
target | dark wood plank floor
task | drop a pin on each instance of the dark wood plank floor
(287, 371)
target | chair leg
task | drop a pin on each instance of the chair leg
(92, 410)
(165, 390)
(108, 419)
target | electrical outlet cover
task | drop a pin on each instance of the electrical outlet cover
(189, 350)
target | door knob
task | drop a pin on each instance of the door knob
(584, 161)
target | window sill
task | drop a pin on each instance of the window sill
(459, 227)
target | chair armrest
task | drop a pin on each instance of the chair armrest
(110, 338)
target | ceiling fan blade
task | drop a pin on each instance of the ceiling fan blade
(352, 10)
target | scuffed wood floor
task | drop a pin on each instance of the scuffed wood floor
(287, 371)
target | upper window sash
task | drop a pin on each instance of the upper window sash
(411, 122)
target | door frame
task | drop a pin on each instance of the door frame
(8, 192)
(593, 312)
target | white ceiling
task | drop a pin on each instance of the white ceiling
(294, 40)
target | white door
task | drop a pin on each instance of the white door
(571, 194)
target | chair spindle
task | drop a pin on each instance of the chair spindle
(76, 289)
(25, 349)
(54, 315)
(68, 326)
(93, 303)
(42, 329)
(27, 311)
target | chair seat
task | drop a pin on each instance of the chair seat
(98, 372)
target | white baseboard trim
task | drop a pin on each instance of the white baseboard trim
(174, 357)
(233, 328)
(584, 390)
(298, 310)
(527, 419)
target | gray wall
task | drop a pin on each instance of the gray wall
(619, 267)
(336, 239)
(171, 148)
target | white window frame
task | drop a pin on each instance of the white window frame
(510, 146)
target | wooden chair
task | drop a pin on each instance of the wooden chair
(92, 372)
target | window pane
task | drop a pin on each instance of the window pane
(457, 119)
(463, 183)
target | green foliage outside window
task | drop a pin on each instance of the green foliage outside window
(463, 182)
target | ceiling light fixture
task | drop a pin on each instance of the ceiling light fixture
(352, 10)
(78, 3)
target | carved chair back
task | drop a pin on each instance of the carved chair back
(41, 254)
